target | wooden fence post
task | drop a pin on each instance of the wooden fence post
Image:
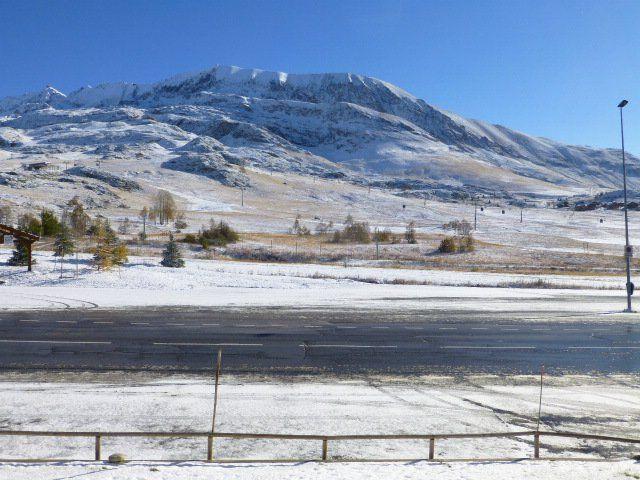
(97, 447)
(210, 448)
(215, 408)
(30, 259)
(325, 438)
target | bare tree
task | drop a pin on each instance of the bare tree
(322, 228)
(164, 207)
(462, 227)
(144, 215)
(410, 233)
(298, 228)
(79, 220)
(5, 214)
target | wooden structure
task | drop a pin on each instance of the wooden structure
(210, 436)
(21, 237)
(36, 166)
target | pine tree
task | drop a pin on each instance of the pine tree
(50, 223)
(171, 256)
(20, 257)
(108, 252)
(64, 243)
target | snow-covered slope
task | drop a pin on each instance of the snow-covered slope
(220, 121)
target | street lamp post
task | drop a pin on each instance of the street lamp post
(628, 251)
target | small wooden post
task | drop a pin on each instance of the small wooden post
(432, 448)
(215, 407)
(210, 448)
(536, 445)
(325, 447)
(540, 401)
(215, 394)
(97, 448)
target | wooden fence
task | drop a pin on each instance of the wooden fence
(325, 439)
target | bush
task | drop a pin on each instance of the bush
(218, 235)
(119, 255)
(353, 232)
(383, 236)
(466, 244)
(190, 238)
(448, 245)
(457, 244)
(357, 232)
(180, 223)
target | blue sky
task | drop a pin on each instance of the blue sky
(550, 68)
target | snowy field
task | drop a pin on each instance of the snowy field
(142, 282)
(87, 402)
(275, 199)
(624, 470)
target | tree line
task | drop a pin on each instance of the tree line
(108, 250)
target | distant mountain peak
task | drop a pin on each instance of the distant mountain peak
(48, 96)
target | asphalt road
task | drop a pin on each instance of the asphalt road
(275, 340)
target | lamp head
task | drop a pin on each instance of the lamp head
(623, 103)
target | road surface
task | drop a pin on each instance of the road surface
(292, 341)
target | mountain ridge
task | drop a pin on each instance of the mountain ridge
(354, 124)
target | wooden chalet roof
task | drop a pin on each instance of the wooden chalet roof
(22, 235)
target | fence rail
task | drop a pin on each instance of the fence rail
(325, 439)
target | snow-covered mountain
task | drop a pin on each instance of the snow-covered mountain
(221, 121)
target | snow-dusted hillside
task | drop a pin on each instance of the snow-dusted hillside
(219, 122)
